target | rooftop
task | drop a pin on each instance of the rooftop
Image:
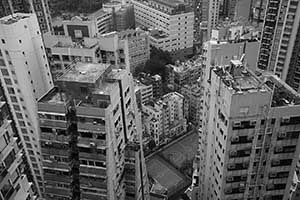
(170, 3)
(188, 65)
(283, 94)
(54, 96)
(158, 34)
(174, 6)
(11, 19)
(79, 44)
(84, 72)
(239, 78)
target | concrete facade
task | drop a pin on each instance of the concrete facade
(101, 132)
(25, 77)
(171, 25)
(249, 136)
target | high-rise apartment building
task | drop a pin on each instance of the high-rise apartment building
(91, 136)
(200, 21)
(39, 7)
(13, 181)
(171, 24)
(25, 77)
(249, 141)
(213, 15)
(279, 50)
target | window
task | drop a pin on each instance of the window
(8, 81)
(16, 107)
(4, 72)
(3, 41)
(2, 63)
(13, 99)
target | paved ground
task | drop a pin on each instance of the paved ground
(164, 164)
(166, 175)
(181, 151)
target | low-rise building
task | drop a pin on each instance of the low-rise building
(184, 73)
(143, 93)
(166, 118)
(193, 103)
(155, 81)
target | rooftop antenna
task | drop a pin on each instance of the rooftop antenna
(11, 8)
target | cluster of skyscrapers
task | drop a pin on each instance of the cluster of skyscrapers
(70, 120)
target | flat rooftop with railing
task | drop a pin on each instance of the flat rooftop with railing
(11, 19)
(84, 72)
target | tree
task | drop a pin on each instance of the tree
(158, 60)
(151, 144)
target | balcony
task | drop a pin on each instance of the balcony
(90, 111)
(65, 192)
(54, 108)
(91, 127)
(55, 178)
(53, 123)
(91, 142)
(101, 173)
(57, 165)
(53, 137)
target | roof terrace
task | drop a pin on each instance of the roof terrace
(85, 72)
(11, 19)
(239, 78)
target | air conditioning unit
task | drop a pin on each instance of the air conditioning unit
(282, 135)
(272, 174)
(229, 178)
(92, 144)
(228, 191)
(275, 162)
(285, 120)
(250, 137)
(253, 122)
(244, 177)
(278, 149)
(270, 186)
(245, 164)
(233, 153)
(236, 124)
(231, 166)
(234, 138)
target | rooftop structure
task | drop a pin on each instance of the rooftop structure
(11, 19)
(39, 7)
(85, 72)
